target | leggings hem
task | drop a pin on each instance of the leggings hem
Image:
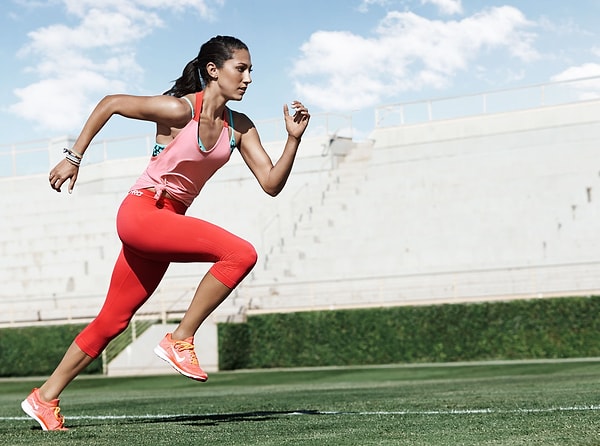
(86, 349)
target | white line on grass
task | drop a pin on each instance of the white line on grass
(325, 412)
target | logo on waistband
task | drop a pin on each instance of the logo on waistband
(135, 192)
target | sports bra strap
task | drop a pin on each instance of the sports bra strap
(232, 143)
(191, 106)
(227, 123)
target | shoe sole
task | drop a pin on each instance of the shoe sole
(163, 355)
(31, 412)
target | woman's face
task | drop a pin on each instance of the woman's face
(233, 77)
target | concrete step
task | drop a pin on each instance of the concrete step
(139, 358)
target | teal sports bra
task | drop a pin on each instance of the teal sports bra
(160, 147)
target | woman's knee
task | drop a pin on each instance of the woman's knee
(248, 256)
(243, 258)
(232, 268)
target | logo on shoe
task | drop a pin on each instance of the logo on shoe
(35, 404)
(177, 357)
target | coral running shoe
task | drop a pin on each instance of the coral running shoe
(181, 356)
(47, 414)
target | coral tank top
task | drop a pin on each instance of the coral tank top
(184, 166)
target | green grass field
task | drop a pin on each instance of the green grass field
(531, 403)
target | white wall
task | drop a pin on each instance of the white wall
(57, 250)
(486, 207)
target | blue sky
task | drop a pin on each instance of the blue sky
(62, 56)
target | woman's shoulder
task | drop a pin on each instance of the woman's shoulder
(241, 121)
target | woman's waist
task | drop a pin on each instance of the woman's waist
(160, 198)
(151, 191)
(163, 193)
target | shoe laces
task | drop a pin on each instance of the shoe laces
(182, 345)
(58, 416)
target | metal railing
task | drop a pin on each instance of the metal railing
(135, 329)
(428, 288)
(494, 101)
(37, 156)
(443, 286)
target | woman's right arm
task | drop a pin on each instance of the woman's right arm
(163, 110)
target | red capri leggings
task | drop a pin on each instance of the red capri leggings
(155, 233)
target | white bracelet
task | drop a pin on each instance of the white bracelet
(72, 157)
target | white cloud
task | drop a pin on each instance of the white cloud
(587, 88)
(97, 55)
(366, 4)
(448, 7)
(345, 71)
(204, 7)
(578, 72)
(57, 104)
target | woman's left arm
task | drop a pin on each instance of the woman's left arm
(272, 177)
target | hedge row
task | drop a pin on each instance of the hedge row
(520, 329)
(35, 351)
(526, 329)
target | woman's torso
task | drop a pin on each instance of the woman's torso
(180, 168)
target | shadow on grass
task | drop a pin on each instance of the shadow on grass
(207, 419)
(214, 419)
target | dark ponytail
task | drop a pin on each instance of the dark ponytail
(217, 50)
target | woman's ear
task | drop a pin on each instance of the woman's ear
(212, 70)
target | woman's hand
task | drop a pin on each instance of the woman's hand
(62, 172)
(296, 124)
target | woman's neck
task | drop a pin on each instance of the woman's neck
(213, 103)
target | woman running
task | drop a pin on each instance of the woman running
(195, 135)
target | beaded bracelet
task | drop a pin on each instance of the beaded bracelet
(73, 157)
